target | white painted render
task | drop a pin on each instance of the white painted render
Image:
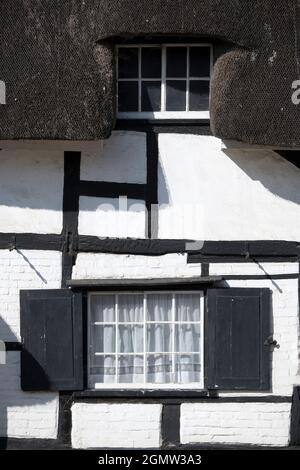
(122, 425)
(31, 190)
(116, 218)
(208, 193)
(120, 159)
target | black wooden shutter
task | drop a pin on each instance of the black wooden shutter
(52, 339)
(239, 323)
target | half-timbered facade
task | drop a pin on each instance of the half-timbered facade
(149, 225)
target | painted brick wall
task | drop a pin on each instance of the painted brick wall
(230, 423)
(130, 266)
(26, 415)
(24, 269)
(116, 425)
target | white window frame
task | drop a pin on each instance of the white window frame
(164, 114)
(146, 386)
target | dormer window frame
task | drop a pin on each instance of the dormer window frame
(164, 114)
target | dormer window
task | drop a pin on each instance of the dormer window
(164, 81)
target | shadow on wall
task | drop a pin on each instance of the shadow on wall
(11, 395)
(267, 167)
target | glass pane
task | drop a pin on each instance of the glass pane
(199, 95)
(187, 338)
(176, 62)
(151, 96)
(131, 369)
(131, 308)
(131, 339)
(159, 307)
(176, 95)
(128, 97)
(151, 62)
(102, 308)
(159, 369)
(187, 307)
(187, 368)
(200, 61)
(103, 369)
(103, 338)
(159, 338)
(128, 62)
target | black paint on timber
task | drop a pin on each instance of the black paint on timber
(166, 126)
(205, 269)
(70, 212)
(170, 426)
(65, 419)
(172, 396)
(142, 284)
(112, 190)
(250, 277)
(295, 419)
(152, 185)
(12, 346)
(70, 237)
(31, 241)
(213, 251)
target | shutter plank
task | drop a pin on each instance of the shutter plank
(51, 330)
(239, 321)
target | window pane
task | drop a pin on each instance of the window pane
(159, 307)
(131, 339)
(159, 338)
(103, 369)
(159, 369)
(151, 96)
(199, 95)
(187, 368)
(131, 369)
(187, 307)
(103, 338)
(128, 62)
(187, 338)
(200, 61)
(176, 62)
(176, 95)
(131, 308)
(102, 308)
(128, 97)
(151, 62)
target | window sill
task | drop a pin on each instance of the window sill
(139, 393)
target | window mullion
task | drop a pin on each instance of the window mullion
(145, 339)
(140, 78)
(117, 336)
(163, 79)
(173, 338)
(187, 108)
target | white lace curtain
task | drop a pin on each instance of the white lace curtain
(138, 341)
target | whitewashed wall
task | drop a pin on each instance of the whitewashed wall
(207, 194)
(263, 424)
(31, 189)
(122, 425)
(24, 415)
